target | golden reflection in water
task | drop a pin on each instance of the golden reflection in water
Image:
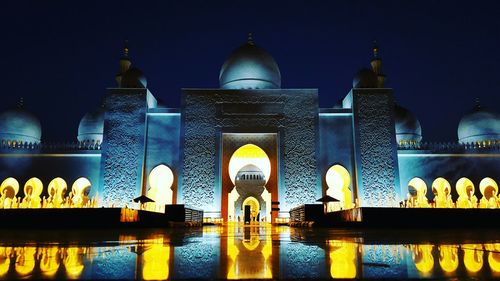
(73, 262)
(25, 260)
(422, 256)
(448, 257)
(49, 261)
(156, 261)
(342, 259)
(473, 257)
(493, 256)
(5, 253)
(249, 256)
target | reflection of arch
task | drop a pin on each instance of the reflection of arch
(57, 190)
(473, 257)
(32, 190)
(160, 181)
(493, 256)
(442, 192)
(254, 207)
(422, 256)
(25, 260)
(448, 257)
(465, 190)
(9, 188)
(342, 259)
(49, 262)
(338, 181)
(249, 154)
(156, 262)
(489, 190)
(81, 189)
(417, 189)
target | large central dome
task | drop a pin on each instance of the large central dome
(250, 67)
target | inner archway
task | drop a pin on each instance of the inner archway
(442, 193)
(249, 170)
(338, 181)
(417, 189)
(251, 210)
(80, 190)
(161, 179)
(489, 190)
(8, 191)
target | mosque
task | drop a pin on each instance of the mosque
(250, 149)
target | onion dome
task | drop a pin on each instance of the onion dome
(407, 126)
(20, 125)
(250, 67)
(479, 125)
(250, 176)
(91, 126)
(365, 78)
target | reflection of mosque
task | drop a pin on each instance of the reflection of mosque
(237, 150)
(250, 252)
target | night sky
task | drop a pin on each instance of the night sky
(439, 56)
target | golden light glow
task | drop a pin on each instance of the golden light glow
(9, 188)
(419, 199)
(49, 262)
(342, 259)
(80, 190)
(442, 191)
(254, 207)
(25, 260)
(338, 181)
(448, 257)
(156, 262)
(160, 181)
(489, 190)
(73, 263)
(5, 253)
(422, 256)
(57, 190)
(465, 189)
(493, 256)
(249, 154)
(473, 257)
(32, 190)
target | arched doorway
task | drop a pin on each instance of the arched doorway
(8, 191)
(32, 190)
(81, 190)
(249, 171)
(442, 193)
(417, 190)
(161, 179)
(251, 210)
(338, 181)
(489, 190)
(57, 190)
(465, 189)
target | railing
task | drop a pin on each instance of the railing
(489, 145)
(75, 145)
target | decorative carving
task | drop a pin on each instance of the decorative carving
(296, 126)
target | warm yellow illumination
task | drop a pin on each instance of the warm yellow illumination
(72, 263)
(8, 190)
(422, 256)
(49, 262)
(466, 197)
(25, 260)
(32, 191)
(338, 181)
(493, 256)
(342, 259)
(448, 257)
(254, 207)
(419, 199)
(80, 191)
(4, 260)
(156, 262)
(442, 191)
(249, 154)
(160, 181)
(473, 257)
(57, 190)
(489, 190)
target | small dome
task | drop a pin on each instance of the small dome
(92, 126)
(365, 78)
(250, 67)
(20, 125)
(133, 78)
(407, 125)
(479, 125)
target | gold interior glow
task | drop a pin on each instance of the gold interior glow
(249, 154)
(338, 181)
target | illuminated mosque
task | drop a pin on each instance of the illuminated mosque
(250, 149)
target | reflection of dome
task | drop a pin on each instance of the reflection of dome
(407, 126)
(20, 125)
(365, 78)
(133, 78)
(250, 67)
(479, 125)
(92, 126)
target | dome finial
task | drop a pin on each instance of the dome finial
(478, 104)
(250, 38)
(125, 48)
(375, 49)
(20, 104)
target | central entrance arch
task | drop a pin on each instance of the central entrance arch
(249, 169)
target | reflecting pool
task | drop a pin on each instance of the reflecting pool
(249, 252)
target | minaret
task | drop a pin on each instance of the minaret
(124, 64)
(250, 39)
(377, 66)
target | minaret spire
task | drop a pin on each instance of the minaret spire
(124, 63)
(377, 65)
(250, 38)
(478, 104)
(20, 103)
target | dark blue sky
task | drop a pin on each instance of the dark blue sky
(60, 56)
